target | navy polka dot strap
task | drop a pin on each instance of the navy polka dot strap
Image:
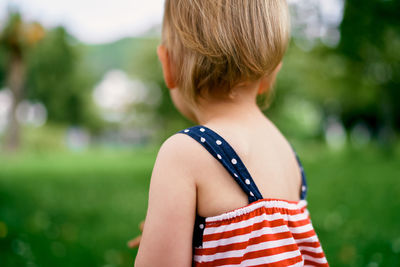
(303, 193)
(224, 153)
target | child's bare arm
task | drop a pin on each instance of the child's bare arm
(168, 230)
(135, 242)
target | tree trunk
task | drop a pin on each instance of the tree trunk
(15, 81)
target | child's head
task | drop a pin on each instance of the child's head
(214, 45)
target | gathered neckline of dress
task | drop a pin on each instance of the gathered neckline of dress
(261, 203)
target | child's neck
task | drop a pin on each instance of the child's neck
(241, 109)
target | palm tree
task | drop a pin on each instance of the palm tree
(17, 38)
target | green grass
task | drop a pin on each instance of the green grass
(79, 209)
(72, 209)
(354, 202)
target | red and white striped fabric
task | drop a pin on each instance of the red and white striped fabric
(268, 232)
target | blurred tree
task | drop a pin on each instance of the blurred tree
(356, 81)
(16, 38)
(370, 42)
(2, 65)
(45, 66)
(57, 78)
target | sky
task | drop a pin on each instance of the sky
(97, 21)
(92, 21)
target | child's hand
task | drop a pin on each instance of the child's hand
(134, 243)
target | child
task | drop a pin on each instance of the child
(230, 190)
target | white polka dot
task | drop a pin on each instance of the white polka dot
(235, 175)
(218, 142)
(186, 131)
(234, 161)
(251, 194)
(202, 139)
(201, 226)
(303, 188)
(202, 129)
(247, 181)
(219, 156)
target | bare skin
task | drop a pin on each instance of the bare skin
(186, 179)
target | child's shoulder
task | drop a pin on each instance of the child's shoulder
(181, 151)
(178, 145)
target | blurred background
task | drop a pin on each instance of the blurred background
(83, 111)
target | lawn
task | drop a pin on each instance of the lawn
(80, 209)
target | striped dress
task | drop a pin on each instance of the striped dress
(267, 232)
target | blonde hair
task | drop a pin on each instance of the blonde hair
(216, 44)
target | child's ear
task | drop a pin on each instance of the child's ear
(278, 68)
(263, 86)
(267, 81)
(166, 66)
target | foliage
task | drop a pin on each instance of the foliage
(136, 56)
(145, 66)
(370, 41)
(12, 37)
(55, 73)
(58, 79)
(356, 82)
(2, 66)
